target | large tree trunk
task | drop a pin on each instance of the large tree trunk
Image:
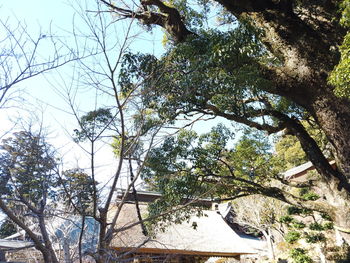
(305, 39)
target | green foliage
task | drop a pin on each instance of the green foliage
(178, 164)
(193, 18)
(77, 190)
(289, 151)
(191, 164)
(28, 168)
(298, 225)
(220, 68)
(299, 255)
(314, 238)
(306, 194)
(93, 124)
(251, 156)
(292, 236)
(345, 18)
(286, 219)
(7, 228)
(328, 226)
(340, 76)
(326, 216)
(316, 226)
(293, 210)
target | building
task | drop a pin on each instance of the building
(194, 240)
(300, 173)
(197, 239)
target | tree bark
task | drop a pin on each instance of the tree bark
(305, 46)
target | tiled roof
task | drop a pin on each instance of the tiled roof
(212, 236)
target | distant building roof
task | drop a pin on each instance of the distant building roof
(207, 235)
(301, 170)
(148, 197)
(14, 244)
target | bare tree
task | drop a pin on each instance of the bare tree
(22, 57)
(115, 117)
(260, 214)
(25, 55)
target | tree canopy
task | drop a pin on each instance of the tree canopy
(271, 69)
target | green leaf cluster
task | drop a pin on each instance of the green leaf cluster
(294, 210)
(292, 236)
(7, 228)
(315, 238)
(299, 255)
(340, 76)
(28, 168)
(92, 124)
(307, 194)
(218, 68)
(290, 152)
(191, 165)
(77, 191)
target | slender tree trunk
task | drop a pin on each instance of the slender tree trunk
(66, 251)
(81, 237)
(49, 253)
(267, 235)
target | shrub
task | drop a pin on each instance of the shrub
(298, 225)
(314, 238)
(328, 226)
(299, 255)
(306, 194)
(316, 227)
(326, 216)
(286, 219)
(292, 236)
(293, 210)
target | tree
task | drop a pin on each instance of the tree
(270, 72)
(117, 118)
(289, 150)
(21, 58)
(192, 165)
(260, 214)
(7, 228)
(29, 174)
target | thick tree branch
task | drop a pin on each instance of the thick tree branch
(213, 110)
(22, 225)
(169, 18)
(312, 150)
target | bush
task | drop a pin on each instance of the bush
(314, 238)
(328, 226)
(310, 196)
(292, 236)
(306, 194)
(299, 255)
(298, 225)
(316, 227)
(326, 216)
(293, 210)
(286, 219)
